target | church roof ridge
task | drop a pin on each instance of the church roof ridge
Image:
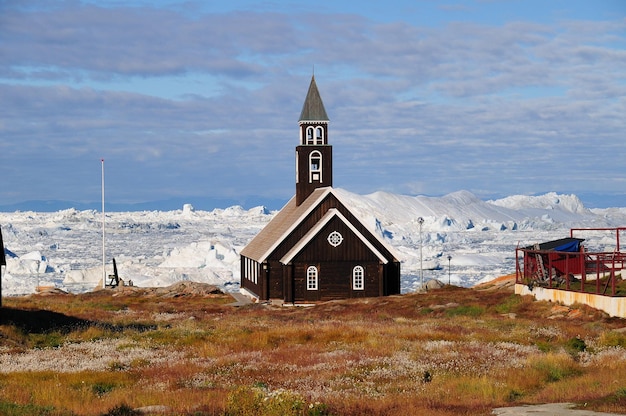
(315, 230)
(290, 217)
(313, 108)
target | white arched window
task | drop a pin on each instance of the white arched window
(358, 278)
(310, 134)
(311, 278)
(315, 166)
(319, 135)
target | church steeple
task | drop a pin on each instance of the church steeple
(313, 108)
(314, 164)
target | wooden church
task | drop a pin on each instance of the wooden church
(315, 248)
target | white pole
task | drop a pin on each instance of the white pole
(104, 273)
(420, 220)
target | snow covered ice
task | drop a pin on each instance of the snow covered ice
(159, 248)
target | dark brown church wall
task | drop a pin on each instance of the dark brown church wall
(275, 286)
(246, 280)
(363, 230)
(351, 248)
(314, 217)
(335, 281)
(304, 186)
(380, 279)
(332, 202)
(391, 273)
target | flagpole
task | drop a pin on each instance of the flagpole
(104, 274)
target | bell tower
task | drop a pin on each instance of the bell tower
(314, 156)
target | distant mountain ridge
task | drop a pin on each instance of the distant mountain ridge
(202, 203)
(462, 210)
(549, 200)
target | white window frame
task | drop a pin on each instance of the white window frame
(319, 135)
(251, 270)
(310, 135)
(312, 172)
(358, 278)
(311, 278)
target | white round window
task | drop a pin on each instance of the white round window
(334, 239)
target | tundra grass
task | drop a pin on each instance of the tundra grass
(451, 351)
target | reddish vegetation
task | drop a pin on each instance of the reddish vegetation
(450, 351)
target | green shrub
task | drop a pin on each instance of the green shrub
(102, 388)
(244, 401)
(11, 409)
(556, 367)
(509, 305)
(317, 409)
(575, 345)
(46, 340)
(466, 310)
(255, 401)
(514, 395)
(544, 346)
(284, 403)
(613, 339)
(122, 410)
(116, 365)
(426, 311)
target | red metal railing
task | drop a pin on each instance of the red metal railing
(583, 271)
(616, 229)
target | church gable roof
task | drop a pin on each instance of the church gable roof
(287, 219)
(290, 217)
(313, 232)
(313, 108)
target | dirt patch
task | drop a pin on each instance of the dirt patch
(550, 409)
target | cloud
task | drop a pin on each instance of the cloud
(185, 101)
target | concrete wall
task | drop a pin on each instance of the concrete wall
(614, 306)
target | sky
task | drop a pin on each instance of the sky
(202, 98)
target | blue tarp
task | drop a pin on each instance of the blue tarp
(570, 246)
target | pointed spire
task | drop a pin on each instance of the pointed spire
(313, 108)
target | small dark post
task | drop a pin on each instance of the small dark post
(449, 258)
(3, 262)
(115, 279)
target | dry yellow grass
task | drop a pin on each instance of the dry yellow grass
(451, 351)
